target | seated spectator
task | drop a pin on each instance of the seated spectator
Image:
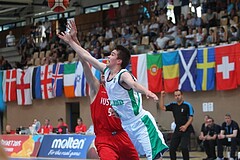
(10, 39)
(182, 24)
(5, 65)
(162, 18)
(222, 35)
(153, 28)
(108, 34)
(211, 19)
(81, 128)
(36, 126)
(203, 130)
(190, 38)
(124, 42)
(178, 40)
(171, 32)
(8, 130)
(145, 28)
(97, 53)
(197, 21)
(61, 124)
(200, 37)
(208, 137)
(210, 38)
(190, 21)
(161, 41)
(47, 127)
(229, 136)
(233, 36)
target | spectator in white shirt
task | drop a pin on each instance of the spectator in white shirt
(10, 40)
(108, 33)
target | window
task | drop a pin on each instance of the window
(92, 9)
(8, 26)
(52, 17)
(72, 14)
(107, 6)
(20, 24)
(39, 19)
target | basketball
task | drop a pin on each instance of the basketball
(58, 5)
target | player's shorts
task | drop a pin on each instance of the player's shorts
(115, 146)
(145, 135)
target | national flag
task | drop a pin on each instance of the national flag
(9, 85)
(57, 79)
(46, 81)
(147, 68)
(68, 79)
(170, 62)
(36, 83)
(225, 67)
(80, 81)
(237, 58)
(205, 69)
(139, 69)
(187, 69)
(2, 103)
(23, 86)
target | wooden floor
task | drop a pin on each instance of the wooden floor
(193, 156)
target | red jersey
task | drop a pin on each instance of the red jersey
(104, 122)
(46, 129)
(80, 128)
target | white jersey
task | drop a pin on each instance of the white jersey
(126, 102)
(138, 123)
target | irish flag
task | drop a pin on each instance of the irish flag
(147, 68)
(68, 79)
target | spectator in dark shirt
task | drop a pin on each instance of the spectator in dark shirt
(229, 136)
(208, 136)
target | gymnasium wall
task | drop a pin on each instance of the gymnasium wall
(223, 101)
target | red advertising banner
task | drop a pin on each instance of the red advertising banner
(21, 145)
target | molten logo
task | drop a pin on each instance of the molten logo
(69, 143)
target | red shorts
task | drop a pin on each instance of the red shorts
(116, 146)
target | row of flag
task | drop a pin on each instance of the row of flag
(44, 82)
(199, 69)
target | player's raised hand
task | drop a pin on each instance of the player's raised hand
(163, 93)
(149, 94)
(73, 29)
(65, 36)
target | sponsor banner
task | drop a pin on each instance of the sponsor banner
(65, 146)
(21, 145)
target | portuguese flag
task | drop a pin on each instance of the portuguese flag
(147, 68)
(154, 72)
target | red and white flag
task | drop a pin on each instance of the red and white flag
(9, 85)
(23, 86)
(46, 81)
(225, 68)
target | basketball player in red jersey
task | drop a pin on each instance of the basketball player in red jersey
(112, 142)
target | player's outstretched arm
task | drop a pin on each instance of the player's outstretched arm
(161, 101)
(85, 55)
(91, 80)
(127, 78)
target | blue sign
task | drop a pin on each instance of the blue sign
(65, 146)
